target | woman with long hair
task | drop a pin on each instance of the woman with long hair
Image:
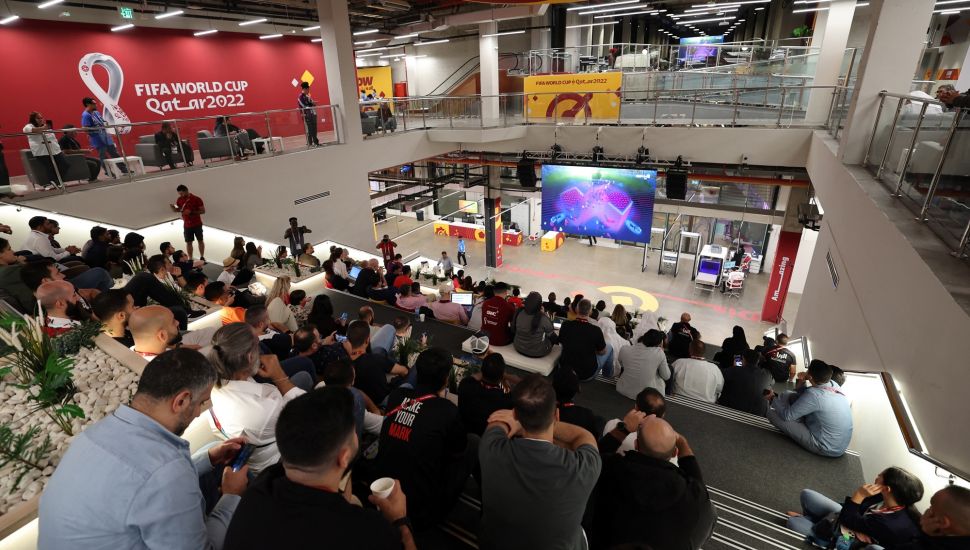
(238, 248)
(643, 365)
(879, 513)
(241, 406)
(321, 316)
(330, 273)
(252, 257)
(732, 349)
(622, 320)
(277, 304)
(532, 332)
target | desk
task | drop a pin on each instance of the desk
(552, 240)
(474, 231)
(268, 142)
(114, 165)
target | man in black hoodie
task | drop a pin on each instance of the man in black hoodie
(644, 499)
(946, 523)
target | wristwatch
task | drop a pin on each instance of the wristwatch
(403, 521)
(622, 427)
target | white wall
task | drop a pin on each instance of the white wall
(426, 73)
(889, 312)
(806, 251)
(859, 30)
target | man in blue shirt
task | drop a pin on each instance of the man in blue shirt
(461, 252)
(306, 104)
(817, 417)
(99, 138)
(128, 481)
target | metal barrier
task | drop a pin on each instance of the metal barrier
(53, 158)
(920, 146)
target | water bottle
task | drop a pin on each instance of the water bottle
(844, 542)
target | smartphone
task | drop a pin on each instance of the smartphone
(242, 457)
(343, 316)
(339, 338)
(737, 361)
(50, 123)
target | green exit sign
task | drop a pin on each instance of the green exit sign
(126, 13)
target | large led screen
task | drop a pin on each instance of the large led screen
(616, 203)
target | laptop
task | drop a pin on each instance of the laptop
(463, 298)
(354, 272)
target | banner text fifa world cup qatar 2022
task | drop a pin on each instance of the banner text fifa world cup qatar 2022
(615, 203)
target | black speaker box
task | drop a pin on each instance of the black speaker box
(526, 173)
(677, 184)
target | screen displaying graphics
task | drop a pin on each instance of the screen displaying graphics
(698, 52)
(616, 203)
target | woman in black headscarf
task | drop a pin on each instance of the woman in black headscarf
(532, 330)
(733, 348)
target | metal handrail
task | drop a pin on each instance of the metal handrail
(686, 91)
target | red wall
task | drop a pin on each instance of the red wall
(44, 75)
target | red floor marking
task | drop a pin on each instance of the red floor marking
(734, 313)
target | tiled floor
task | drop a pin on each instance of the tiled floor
(610, 274)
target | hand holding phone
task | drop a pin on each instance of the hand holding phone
(242, 457)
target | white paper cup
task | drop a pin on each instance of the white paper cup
(382, 487)
(421, 317)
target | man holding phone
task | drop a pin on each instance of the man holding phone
(110, 493)
(98, 136)
(44, 147)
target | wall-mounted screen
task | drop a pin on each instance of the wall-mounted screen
(698, 51)
(616, 203)
(468, 207)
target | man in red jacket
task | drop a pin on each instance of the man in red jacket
(496, 315)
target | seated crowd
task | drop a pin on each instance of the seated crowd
(321, 407)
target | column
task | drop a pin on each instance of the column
(776, 15)
(488, 60)
(897, 30)
(832, 34)
(573, 41)
(338, 56)
(493, 219)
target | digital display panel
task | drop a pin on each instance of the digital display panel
(615, 203)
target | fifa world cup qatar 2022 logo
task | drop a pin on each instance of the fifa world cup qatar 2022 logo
(112, 111)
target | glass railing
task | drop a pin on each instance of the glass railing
(917, 149)
(737, 105)
(132, 152)
(754, 56)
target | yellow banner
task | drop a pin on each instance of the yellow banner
(582, 95)
(374, 83)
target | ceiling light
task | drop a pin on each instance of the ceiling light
(394, 55)
(650, 12)
(759, 9)
(124, 27)
(412, 35)
(372, 50)
(49, 3)
(598, 9)
(364, 42)
(699, 13)
(317, 40)
(432, 42)
(506, 33)
(270, 36)
(574, 8)
(590, 25)
(711, 20)
(806, 10)
(368, 55)
(9, 19)
(204, 33)
(313, 28)
(252, 22)
(945, 2)
(369, 31)
(947, 12)
(168, 14)
(862, 4)
(735, 3)
(810, 1)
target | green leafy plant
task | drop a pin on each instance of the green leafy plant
(406, 348)
(82, 336)
(37, 366)
(802, 31)
(22, 451)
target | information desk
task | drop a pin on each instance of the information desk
(474, 232)
(541, 365)
(552, 240)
